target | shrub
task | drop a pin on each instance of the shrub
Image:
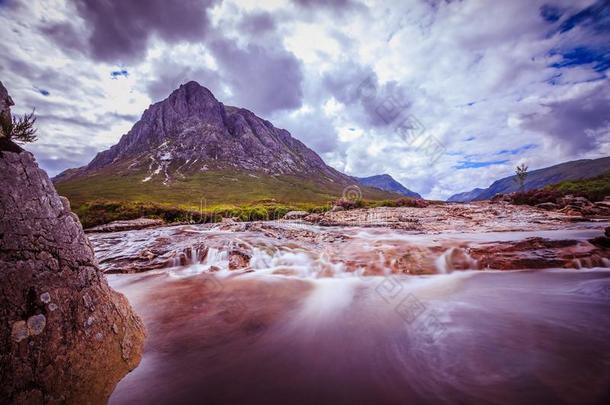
(18, 129)
(349, 204)
(535, 197)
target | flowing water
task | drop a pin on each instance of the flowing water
(300, 327)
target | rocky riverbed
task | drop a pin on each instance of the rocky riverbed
(340, 310)
(437, 239)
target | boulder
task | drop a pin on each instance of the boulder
(238, 260)
(66, 336)
(293, 215)
(314, 218)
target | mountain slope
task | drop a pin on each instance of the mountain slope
(574, 170)
(190, 147)
(387, 183)
(466, 196)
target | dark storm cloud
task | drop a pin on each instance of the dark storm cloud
(120, 30)
(66, 36)
(573, 122)
(263, 79)
(356, 85)
(256, 24)
(335, 5)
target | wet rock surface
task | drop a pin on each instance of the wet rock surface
(66, 336)
(128, 225)
(437, 239)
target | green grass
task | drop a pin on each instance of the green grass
(213, 188)
(103, 211)
(207, 196)
(594, 189)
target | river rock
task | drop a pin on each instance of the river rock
(49, 352)
(238, 260)
(293, 215)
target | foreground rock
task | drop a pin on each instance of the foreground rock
(66, 336)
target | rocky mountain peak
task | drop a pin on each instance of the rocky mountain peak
(191, 132)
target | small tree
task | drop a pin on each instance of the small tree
(18, 129)
(521, 173)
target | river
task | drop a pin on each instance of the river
(293, 331)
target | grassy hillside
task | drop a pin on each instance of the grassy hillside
(594, 189)
(104, 197)
(214, 187)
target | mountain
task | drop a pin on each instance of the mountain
(574, 170)
(190, 147)
(387, 183)
(466, 196)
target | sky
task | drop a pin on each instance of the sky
(444, 96)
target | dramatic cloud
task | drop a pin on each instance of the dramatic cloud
(256, 24)
(119, 30)
(260, 79)
(443, 95)
(578, 123)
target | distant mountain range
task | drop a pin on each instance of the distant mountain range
(574, 170)
(387, 183)
(190, 147)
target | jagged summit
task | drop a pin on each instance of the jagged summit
(190, 147)
(191, 131)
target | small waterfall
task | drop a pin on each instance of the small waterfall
(296, 262)
(455, 258)
(190, 255)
